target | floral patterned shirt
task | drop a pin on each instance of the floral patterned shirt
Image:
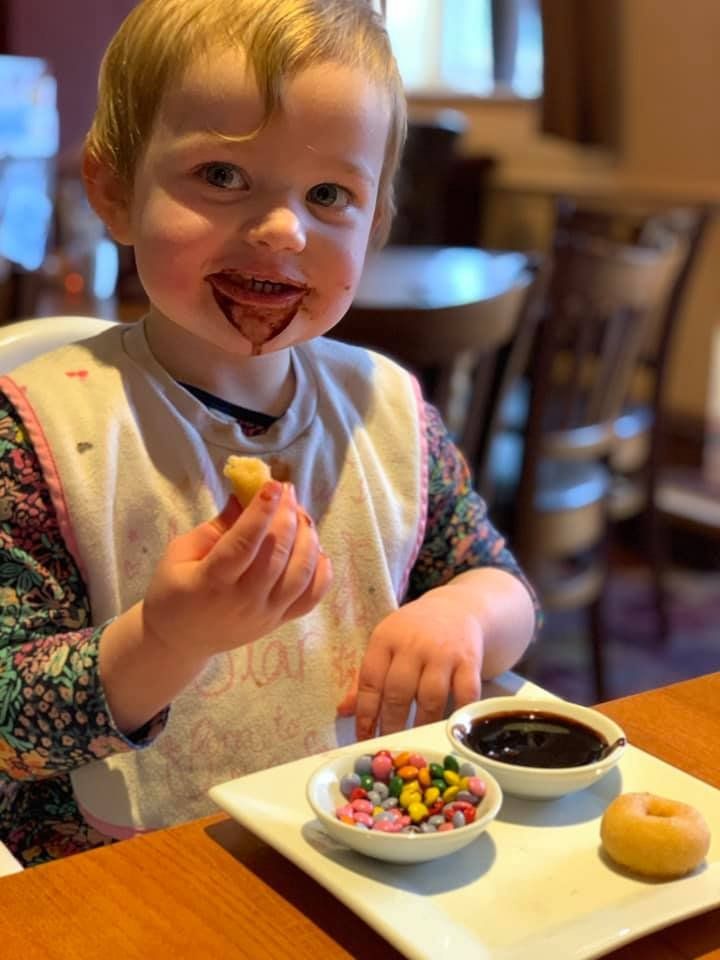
(53, 713)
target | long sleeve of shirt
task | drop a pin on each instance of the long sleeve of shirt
(54, 715)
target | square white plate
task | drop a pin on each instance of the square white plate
(8, 863)
(534, 885)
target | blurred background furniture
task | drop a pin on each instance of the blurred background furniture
(449, 314)
(26, 339)
(550, 472)
(55, 255)
(440, 190)
(638, 451)
(28, 149)
(421, 183)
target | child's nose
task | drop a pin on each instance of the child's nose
(278, 229)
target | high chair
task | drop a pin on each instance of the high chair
(25, 339)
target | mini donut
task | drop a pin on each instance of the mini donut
(654, 836)
(246, 475)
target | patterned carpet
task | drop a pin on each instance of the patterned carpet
(635, 659)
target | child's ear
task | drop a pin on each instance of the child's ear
(108, 198)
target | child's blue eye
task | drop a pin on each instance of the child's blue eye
(224, 175)
(329, 195)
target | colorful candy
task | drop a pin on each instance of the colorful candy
(402, 793)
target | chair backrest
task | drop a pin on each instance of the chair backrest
(447, 347)
(600, 299)
(686, 226)
(424, 177)
(586, 337)
(640, 431)
(25, 339)
(689, 227)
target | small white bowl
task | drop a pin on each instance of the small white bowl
(522, 781)
(324, 796)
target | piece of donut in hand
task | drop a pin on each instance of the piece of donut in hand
(246, 475)
(654, 836)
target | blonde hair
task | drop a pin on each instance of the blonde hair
(159, 40)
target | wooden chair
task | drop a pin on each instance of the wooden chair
(552, 479)
(424, 176)
(638, 454)
(441, 191)
(456, 351)
(637, 457)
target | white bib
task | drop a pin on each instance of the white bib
(132, 459)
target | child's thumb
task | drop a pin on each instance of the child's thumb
(346, 707)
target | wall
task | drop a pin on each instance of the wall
(672, 82)
(72, 35)
(672, 131)
(670, 154)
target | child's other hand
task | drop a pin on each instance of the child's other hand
(232, 580)
(423, 652)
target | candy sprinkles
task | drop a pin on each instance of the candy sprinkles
(402, 793)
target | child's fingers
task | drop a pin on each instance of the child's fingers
(346, 707)
(228, 515)
(466, 683)
(302, 562)
(314, 592)
(371, 684)
(276, 551)
(432, 693)
(401, 683)
(238, 547)
(198, 542)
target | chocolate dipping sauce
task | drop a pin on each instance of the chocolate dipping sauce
(534, 739)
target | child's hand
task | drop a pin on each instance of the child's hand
(425, 651)
(233, 580)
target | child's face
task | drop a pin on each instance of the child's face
(258, 244)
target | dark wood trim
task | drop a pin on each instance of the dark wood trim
(684, 439)
(4, 26)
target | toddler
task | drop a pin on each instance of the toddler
(156, 638)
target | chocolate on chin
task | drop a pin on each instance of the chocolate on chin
(247, 476)
(257, 322)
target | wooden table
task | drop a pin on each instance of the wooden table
(422, 277)
(447, 314)
(210, 890)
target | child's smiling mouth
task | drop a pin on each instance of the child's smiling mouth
(258, 307)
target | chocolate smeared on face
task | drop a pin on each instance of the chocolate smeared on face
(259, 309)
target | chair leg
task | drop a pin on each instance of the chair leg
(657, 549)
(597, 639)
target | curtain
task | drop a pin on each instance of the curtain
(581, 73)
(504, 19)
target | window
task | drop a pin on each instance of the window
(476, 47)
(28, 142)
